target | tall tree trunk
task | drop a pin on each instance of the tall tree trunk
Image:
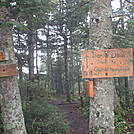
(20, 67)
(71, 66)
(31, 55)
(49, 59)
(121, 19)
(66, 70)
(78, 75)
(37, 66)
(59, 76)
(127, 99)
(101, 106)
(11, 108)
(31, 43)
(19, 57)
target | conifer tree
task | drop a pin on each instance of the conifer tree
(101, 119)
(11, 107)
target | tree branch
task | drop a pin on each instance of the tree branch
(130, 2)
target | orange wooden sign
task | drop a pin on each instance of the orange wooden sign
(89, 88)
(8, 70)
(2, 56)
(107, 63)
(5, 55)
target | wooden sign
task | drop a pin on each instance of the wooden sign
(2, 56)
(8, 70)
(107, 63)
(5, 55)
(89, 88)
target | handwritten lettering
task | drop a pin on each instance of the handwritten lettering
(97, 69)
(112, 54)
(107, 63)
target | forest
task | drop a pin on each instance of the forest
(45, 39)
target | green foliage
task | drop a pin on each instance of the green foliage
(85, 108)
(124, 112)
(18, 26)
(125, 93)
(6, 24)
(122, 125)
(85, 111)
(40, 117)
(21, 27)
(44, 119)
(125, 29)
(4, 3)
(36, 10)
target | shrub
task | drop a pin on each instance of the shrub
(122, 126)
(40, 118)
(44, 119)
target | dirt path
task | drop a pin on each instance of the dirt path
(78, 123)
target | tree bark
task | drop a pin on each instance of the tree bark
(127, 92)
(101, 106)
(20, 70)
(59, 75)
(31, 45)
(37, 66)
(11, 107)
(66, 69)
(31, 37)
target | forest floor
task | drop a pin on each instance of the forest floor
(77, 122)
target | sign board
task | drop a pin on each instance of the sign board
(107, 63)
(8, 70)
(2, 56)
(89, 88)
(5, 55)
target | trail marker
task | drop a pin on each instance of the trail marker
(89, 88)
(107, 63)
(5, 55)
(8, 70)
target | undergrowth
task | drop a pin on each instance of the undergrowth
(84, 106)
(123, 123)
(40, 118)
(123, 117)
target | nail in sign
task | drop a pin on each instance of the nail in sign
(5, 55)
(107, 63)
(8, 70)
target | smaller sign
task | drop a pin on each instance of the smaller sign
(2, 56)
(8, 70)
(89, 88)
(5, 55)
